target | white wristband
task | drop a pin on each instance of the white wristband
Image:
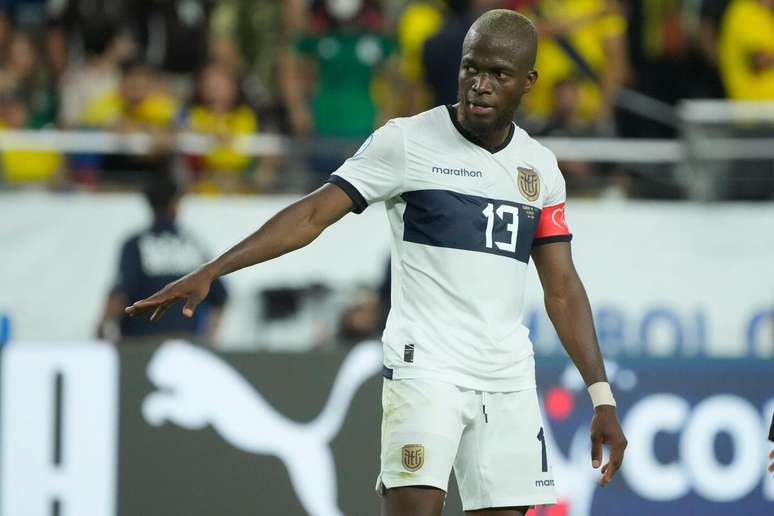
(601, 394)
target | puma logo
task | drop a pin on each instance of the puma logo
(197, 388)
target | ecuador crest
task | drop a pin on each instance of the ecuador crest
(529, 183)
(413, 456)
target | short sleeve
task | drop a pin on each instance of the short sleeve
(376, 171)
(552, 226)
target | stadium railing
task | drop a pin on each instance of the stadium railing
(604, 150)
(714, 134)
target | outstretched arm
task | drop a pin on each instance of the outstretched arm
(568, 307)
(290, 229)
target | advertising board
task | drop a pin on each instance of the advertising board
(88, 430)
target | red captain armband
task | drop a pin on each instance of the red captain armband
(552, 226)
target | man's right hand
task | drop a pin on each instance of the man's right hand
(290, 229)
(192, 288)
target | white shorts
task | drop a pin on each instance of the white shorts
(494, 441)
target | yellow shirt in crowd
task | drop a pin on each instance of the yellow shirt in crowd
(29, 166)
(240, 120)
(588, 38)
(747, 28)
(155, 110)
(418, 22)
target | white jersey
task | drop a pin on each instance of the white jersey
(463, 221)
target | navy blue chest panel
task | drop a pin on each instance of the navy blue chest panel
(442, 218)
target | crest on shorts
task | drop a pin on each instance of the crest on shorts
(413, 456)
(528, 182)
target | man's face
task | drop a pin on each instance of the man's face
(136, 85)
(491, 83)
(219, 88)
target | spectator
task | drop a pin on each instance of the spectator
(95, 28)
(418, 22)
(220, 111)
(25, 166)
(148, 261)
(346, 49)
(442, 52)
(711, 15)
(252, 38)
(98, 76)
(581, 39)
(138, 104)
(746, 50)
(262, 32)
(665, 48)
(565, 117)
(566, 121)
(23, 73)
(5, 33)
(56, 50)
(224, 51)
(174, 34)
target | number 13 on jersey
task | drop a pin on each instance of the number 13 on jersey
(512, 226)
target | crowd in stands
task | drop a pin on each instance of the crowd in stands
(332, 70)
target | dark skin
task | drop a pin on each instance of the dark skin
(491, 85)
(492, 80)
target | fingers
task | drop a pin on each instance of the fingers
(159, 311)
(608, 470)
(190, 306)
(149, 303)
(614, 464)
(136, 308)
(158, 302)
(596, 450)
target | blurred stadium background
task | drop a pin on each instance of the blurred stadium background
(661, 113)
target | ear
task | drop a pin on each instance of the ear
(532, 77)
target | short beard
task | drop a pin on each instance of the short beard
(480, 128)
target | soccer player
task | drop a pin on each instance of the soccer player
(469, 197)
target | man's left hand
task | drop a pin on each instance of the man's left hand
(606, 430)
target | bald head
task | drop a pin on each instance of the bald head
(509, 30)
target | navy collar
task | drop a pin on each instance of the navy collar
(471, 138)
(163, 224)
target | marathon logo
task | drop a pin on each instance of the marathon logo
(463, 172)
(544, 483)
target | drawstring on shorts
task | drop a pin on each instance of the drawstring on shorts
(483, 407)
